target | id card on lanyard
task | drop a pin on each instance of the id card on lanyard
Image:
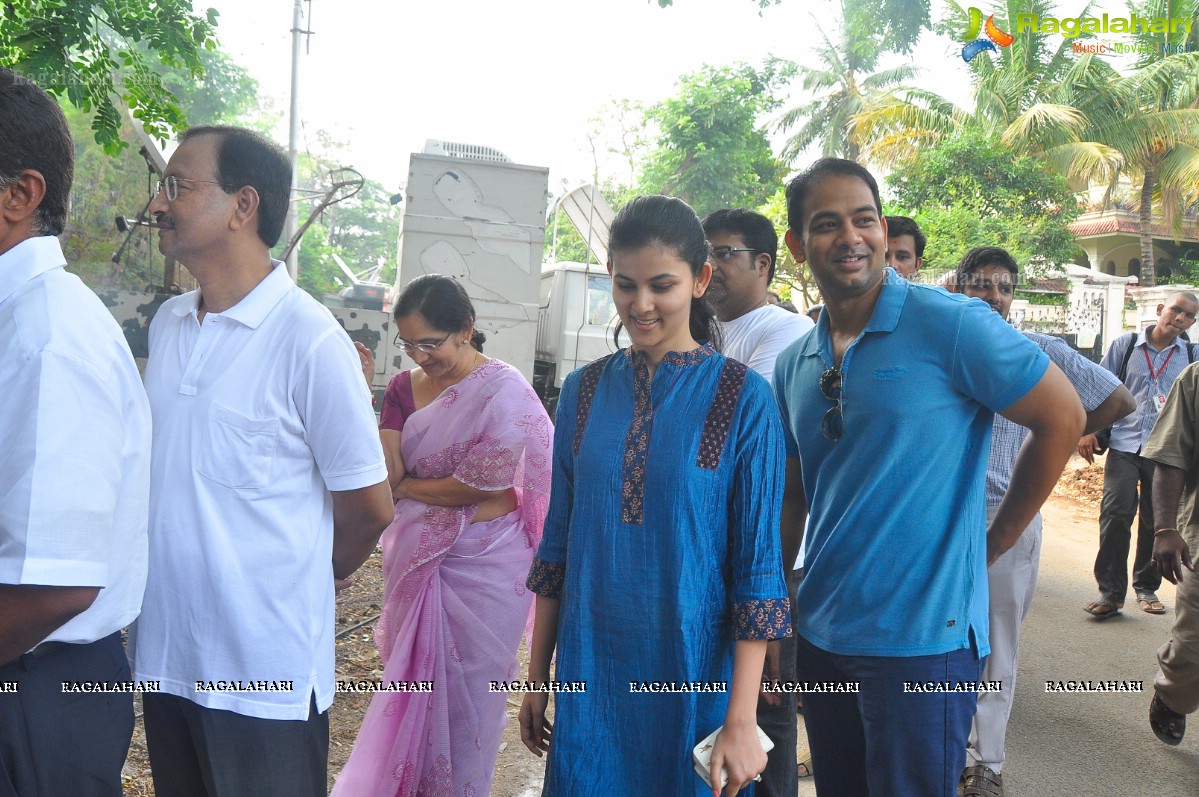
(1159, 397)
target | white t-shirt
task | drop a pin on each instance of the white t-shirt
(757, 337)
(75, 426)
(259, 412)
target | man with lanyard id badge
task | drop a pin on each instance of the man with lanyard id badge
(1147, 363)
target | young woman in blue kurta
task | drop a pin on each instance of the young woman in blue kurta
(659, 578)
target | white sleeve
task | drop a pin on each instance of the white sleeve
(335, 406)
(60, 478)
(775, 338)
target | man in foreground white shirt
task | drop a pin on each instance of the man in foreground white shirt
(74, 481)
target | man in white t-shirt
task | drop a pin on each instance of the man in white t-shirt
(74, 481)
(267, 483)
(744, 250)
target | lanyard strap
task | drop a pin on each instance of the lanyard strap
(1149, 364)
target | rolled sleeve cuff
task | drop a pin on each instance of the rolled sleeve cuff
(357, 479)
(762, 619)
(64, 573)
(545, 578)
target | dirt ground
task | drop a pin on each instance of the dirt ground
(518, 773)
(1082, 482)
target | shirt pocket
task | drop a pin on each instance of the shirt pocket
(238, 451)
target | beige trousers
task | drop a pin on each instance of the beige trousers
(1177, 679)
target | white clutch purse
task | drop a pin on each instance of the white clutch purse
(702, 754)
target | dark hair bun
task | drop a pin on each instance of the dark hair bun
(477, 340)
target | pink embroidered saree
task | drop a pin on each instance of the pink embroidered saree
(455, 601)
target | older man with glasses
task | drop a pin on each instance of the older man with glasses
(267, 483)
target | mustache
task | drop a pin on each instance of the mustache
(123, 224)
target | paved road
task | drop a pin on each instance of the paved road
(1087, 745)
(1073, 745)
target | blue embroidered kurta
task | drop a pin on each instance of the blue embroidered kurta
(662, 542)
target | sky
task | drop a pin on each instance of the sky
(527, 77)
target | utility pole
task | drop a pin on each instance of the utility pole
(293, 137)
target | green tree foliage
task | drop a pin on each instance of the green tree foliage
(800, 285)
(223, 94)
(104, 54)
(897, 23)
(563, 243)
(107, 184)
(971, 191)
(362, 229)
(710, 149)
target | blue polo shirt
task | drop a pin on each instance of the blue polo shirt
(895, 553)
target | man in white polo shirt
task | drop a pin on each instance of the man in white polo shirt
(744, 250)
(268, 481)
(74, 481)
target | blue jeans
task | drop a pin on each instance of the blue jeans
(884, 741)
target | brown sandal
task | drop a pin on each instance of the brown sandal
(1102, 609)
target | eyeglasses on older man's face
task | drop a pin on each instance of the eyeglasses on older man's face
(170, 186)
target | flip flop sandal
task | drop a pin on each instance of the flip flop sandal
(1167, 724)
(1150, 604)
(1101, 609)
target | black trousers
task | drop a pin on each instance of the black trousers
(55, 741)
(780, 778)
(206, 752)
(1122, 474)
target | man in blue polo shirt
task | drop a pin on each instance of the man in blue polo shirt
(897, 386)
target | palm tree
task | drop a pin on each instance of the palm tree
(1006, 84)
(1153, 123)
(1100, 126)
(845, 85)
(1177, 41)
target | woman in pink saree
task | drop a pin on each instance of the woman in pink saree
(468, 449)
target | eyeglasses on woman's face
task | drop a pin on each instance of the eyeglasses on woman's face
(424, 346)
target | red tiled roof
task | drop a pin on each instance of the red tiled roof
(1047, 286)
(1114, 225)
